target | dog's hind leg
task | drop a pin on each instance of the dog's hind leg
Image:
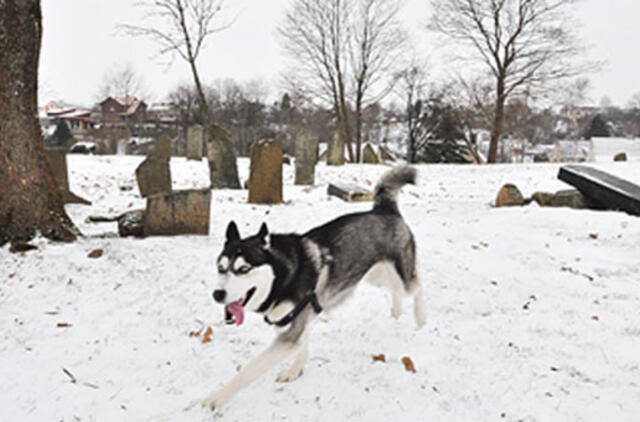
(384, 274)
(297, 367)
(418, 305)
(269, 358)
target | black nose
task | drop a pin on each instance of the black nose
(219, 295)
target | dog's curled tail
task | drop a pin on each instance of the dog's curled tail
(386, 190)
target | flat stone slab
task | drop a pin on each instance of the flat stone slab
(605, 189)
(179, 212)
(349, 192)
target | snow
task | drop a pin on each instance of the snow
(532, 313)
(604, 149)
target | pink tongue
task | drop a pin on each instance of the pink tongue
(236, 310)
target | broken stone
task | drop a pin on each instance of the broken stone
(620, 157)
(180, 212)
(349, 192)
(265, 177)
(509, 195)
(571, 198)
(542, 198)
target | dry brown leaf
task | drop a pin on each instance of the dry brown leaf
(379, 358)
(593, 235)
(63, 325)
(96, 253)
(408, 364)
(207, 335)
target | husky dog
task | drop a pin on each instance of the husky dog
(291, 278)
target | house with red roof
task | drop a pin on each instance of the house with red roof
(127, 109)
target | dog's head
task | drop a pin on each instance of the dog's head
(245, 275)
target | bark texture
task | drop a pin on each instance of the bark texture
(29, 199)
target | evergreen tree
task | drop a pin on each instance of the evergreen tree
(598, 128)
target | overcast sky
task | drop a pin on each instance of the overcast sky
(80, 41)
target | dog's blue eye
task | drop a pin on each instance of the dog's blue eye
(244, 269)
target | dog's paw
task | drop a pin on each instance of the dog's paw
(289, 375)
(213, 402)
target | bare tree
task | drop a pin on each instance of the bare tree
(181, 28)
(316, 36)
(122, 81)
(343, 51)
(412, 88)
(521, 42)
(29, 198)
(375, 48)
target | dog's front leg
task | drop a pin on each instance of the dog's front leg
(273, 355)
(297, 367)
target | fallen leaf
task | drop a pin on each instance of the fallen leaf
(207, 335)
(379, 358)
(63, 325)
(12, 275)
(593, 235)
(595, 318)
(96, 253)
(408, 364)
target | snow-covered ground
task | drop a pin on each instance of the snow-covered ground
(532, 313)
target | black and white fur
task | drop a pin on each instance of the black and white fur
(271, 273)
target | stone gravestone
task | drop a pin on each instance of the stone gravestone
(223, 169)
(154, 173)
(180, 212)
(194, 142)
(335, 154)
(306, 158)
(601, 189)
(265, 177)
(57, 159)
(369, 155)
(349, 192)
(509, 195)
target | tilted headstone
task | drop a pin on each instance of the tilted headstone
(603, 189)
(223, 168)
(265, 177)
(335, 154)
(57, 159)
(154, 173)
(194, 142)
(306, 158)
(349, 192)
(180, 212)
(369, 155)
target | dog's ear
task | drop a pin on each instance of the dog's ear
(232, 232)
(263, 233)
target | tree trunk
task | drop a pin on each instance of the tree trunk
(358, 129)
(29, 198)
(498, 122)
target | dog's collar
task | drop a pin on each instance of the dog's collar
(309, 298)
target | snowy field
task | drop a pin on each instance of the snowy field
(533, 314)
